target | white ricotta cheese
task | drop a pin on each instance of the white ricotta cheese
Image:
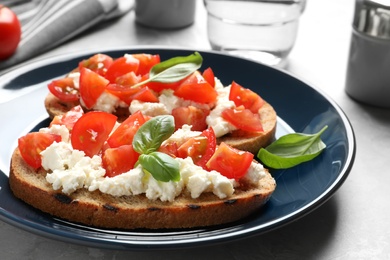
(198, 180)
(76, 79)
(214, 119)
(130, 58)
(129, 183)
(107, 102)
(254, 174)
(182, 134)
(165, 191)
(57, 130)
(148, 108)
(169, 100)
(70, 169)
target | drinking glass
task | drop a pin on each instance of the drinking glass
(262, 30)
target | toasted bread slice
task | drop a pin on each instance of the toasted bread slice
(133, 212)
(238, 139)
(55, 107)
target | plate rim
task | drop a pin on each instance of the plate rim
(257, 230)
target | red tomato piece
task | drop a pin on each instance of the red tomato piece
(145, 94)
(169, 148)
(124, 134)
(146, 62)
(128, 79)
(119, 160)
(98, 63)
(194, 147)
(197, 89)
(122, 89)
(208, 75)
(230, 162)
(64, 89)
(32, 144)
(10, 32)
(191, 116)
(124, 93)
(121, 66)
(243, 119)
(91, 131)
(92, 85)
(245, 97)
(200, 148)
(69, 118)
(211, 146)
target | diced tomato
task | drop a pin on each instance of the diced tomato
(124, 134)
(230, 162)
(245, 97)
(169, 148)
(98, 63)
(69, 118)
(124, 93)
(194, 147)
(64, 89)
(128, 79)
(145, 94)
(91, 131)
(146, 62)
(243, 119)
(92, 85)
(122, 88)
(32, 144)
(211, 146)
(197, 89)
(119, 160)
(121, 66)
(191, 116)
(200, 148)
(208, 75)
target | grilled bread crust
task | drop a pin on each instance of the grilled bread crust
(134, 212)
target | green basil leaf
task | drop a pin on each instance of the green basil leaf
(161, 166)
(174, 69)
(152, 133)
(292, 149)
(191, 62)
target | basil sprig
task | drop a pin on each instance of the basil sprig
(147, 140)
(174, 69)
(292, 149)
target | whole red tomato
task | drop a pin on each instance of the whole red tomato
(10, 32)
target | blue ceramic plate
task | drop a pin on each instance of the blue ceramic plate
(300, 107)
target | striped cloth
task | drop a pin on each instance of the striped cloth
(49, 23)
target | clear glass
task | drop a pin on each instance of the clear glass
(262, 30)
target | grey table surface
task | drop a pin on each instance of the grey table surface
(353, 224)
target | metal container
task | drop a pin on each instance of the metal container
(368, 70)
(165, 14)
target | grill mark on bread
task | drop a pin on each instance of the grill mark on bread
(110, 208)
(230, 202)
(193, 206)
(153, 208)
(63, 198)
